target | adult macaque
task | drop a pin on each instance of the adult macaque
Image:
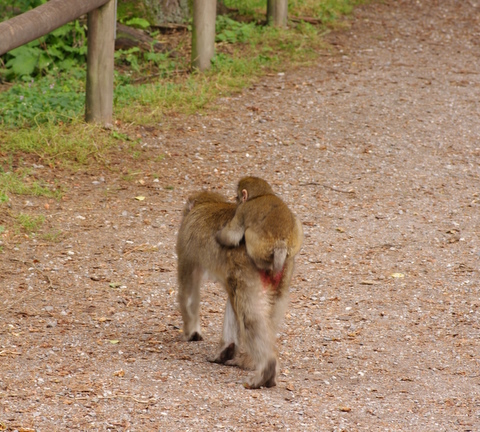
(256, 299)
(272, 232)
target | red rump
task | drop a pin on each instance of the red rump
(269, 280)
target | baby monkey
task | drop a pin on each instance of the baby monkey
(272, 232)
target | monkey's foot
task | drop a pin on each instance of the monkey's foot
(194, 337)
(264, 378)
(226, 354)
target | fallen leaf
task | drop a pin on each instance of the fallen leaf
(114, 341)
(139, 198)
(369, 282)
(397, 275)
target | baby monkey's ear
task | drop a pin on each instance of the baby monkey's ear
(244, 195)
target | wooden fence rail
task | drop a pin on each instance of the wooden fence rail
(33, 24)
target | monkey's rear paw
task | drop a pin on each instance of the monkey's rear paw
(194, 337)
(225, 355)
(264, 378)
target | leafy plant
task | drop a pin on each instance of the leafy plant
(129, 57)
(231, 31)
(138, 23)
(59, 51)
(11, 8)
(161, 60)
(42, 100)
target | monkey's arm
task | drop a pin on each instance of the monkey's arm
(233, 232)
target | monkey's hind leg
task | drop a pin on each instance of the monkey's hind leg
(189, 279)
(229, 341)
(231, 353)
(256, 335)
(259, 249)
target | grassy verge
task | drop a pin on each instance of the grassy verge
(327, 11)
(235, 66)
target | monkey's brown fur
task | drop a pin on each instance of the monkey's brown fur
(256, 300)
(272, 232)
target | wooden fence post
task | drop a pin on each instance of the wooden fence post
(277, 11)
(101, 47)
(203, 35)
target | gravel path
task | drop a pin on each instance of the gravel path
(376, 148)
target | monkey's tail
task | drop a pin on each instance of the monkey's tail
(279, 257)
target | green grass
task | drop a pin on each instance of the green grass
(66, 144)
(324, 10)
(254, 8)
(28, 223)
(54, 236)
(22, 182)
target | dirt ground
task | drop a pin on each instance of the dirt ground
(376, 148)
